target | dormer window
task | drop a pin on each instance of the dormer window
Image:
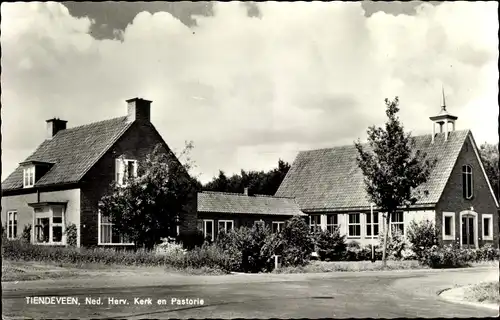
(126, 169)
(467, 184)
(29, 177)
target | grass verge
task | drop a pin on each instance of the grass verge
(342, 266)
(487, 292)
(37, 270)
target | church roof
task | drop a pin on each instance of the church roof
(330, 179)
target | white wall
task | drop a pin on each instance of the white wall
(408, 216)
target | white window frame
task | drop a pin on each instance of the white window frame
(12, 224)
(49, 214)
(100, 242)
(369, 225)
(315, 226)
(349, 223)
(467, 170)
(490, 226)
(29, 177)
(392, 223)
(205, 228)
(329, 223)
(279, 226)
(121, 165)
(452, 236)
(225, 227)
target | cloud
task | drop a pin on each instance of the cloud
(250, 89)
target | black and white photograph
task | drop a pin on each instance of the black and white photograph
(258, 160)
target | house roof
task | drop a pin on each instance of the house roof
(235, 203)
(73, 151)
(330, 179)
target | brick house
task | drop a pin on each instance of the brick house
(328, 185)
(225, 211)
(62, 182)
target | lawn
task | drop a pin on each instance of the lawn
(487, 292)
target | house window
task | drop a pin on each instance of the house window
(12, 224)
(49, 225)
(315, 223)
(278, 226)
(29, 176)
(467, 181)
(332, 222)
(126, 169)
(487, 226)
(372, 225)
(397, 222)
(448, 226)
(354, 225)
(226, 225)
(208, 229)
(109, 234)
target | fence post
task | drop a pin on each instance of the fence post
(276, 264)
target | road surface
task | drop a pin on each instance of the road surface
(334, 295)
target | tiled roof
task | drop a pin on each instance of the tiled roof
(330, 179)
(73, 151)
(235, 203)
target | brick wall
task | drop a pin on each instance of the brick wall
(452, 199)
(136, 143)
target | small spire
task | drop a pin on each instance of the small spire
(444, 99)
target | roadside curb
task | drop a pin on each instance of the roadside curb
(456, 295)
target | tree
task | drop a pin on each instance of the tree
(149, 207)
(257, 182)
(392, 169)
(490, 159)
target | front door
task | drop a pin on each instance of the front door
(468, 236)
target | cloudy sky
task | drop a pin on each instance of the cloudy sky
(248, 83)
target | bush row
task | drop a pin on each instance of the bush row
(421, 243)
(209, 256)
(451, 256)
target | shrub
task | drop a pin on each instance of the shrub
(207, 256)
(330, 245)
(273, 244)
(26, 235)
(362, 253)
(488, 253)
(353, 244)
(446, 257)
(396, 244)
(191, 239)
(244, 248)
(297, 242)
(71, 235)
(169, 248)
(422, 236)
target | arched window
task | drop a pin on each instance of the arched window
(467, 181)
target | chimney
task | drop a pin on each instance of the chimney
(138, 109)
(54, 126)
(245, 191)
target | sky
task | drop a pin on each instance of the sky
(248, 83)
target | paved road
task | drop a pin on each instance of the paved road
(337, 295)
